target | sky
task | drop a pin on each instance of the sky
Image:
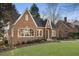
(22, 6)
(43, 7)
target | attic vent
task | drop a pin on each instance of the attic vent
(26, 17)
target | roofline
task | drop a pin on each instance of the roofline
(32, 17)
(19, 17)
(22, 15)
(49, 23)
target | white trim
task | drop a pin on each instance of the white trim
(23, 14)
(24, 36)
(39, 32)
(40, 27)
(48, 21)
(53, 33)
(12, 32)
(32, 18)
(19, 17)
(48, 34)
(18, 33)
(50, 24)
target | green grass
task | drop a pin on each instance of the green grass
(64, 48)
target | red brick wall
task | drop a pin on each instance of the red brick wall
(22, 23)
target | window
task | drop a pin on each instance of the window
(26, 17)
(39, 32)
(53, 33)
(26, 32)
(31, 32)
(21, 32)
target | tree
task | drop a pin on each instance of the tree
(35, 11)
(8, 13)
(56, 10)
(53, 11)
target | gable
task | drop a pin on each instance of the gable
(48, 24)
(25, 20)
(25, 14)
(22, 22)
(61, 25)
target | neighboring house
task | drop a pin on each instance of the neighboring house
(76, 24)
(64, 28)
(26, 28)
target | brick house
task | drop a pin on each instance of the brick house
(64, 28)
(26, 28)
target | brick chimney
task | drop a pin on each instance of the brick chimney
(65, 19)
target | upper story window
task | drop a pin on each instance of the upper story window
(26, 17)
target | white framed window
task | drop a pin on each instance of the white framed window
(25, 32)
(26, 17)
(39, 33)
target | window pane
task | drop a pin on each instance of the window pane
(31, 32)
(40, 33)
(37, 33)
(27, 32)
(21, 32)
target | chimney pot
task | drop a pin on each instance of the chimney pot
(65, 19)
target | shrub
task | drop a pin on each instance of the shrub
(6, 42)
(74, 35)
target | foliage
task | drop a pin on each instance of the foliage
(8, 13)
(57, 11)
(74, 35)
(53, 11)
(35, 11)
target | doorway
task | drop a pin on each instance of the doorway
(47, 34)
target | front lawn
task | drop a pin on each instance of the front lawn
(63, 48)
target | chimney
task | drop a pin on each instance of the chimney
(65, 19)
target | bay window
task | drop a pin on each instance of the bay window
(24, 32)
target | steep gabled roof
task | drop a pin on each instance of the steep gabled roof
(67, 25)
(38, 22)
(22, 16)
